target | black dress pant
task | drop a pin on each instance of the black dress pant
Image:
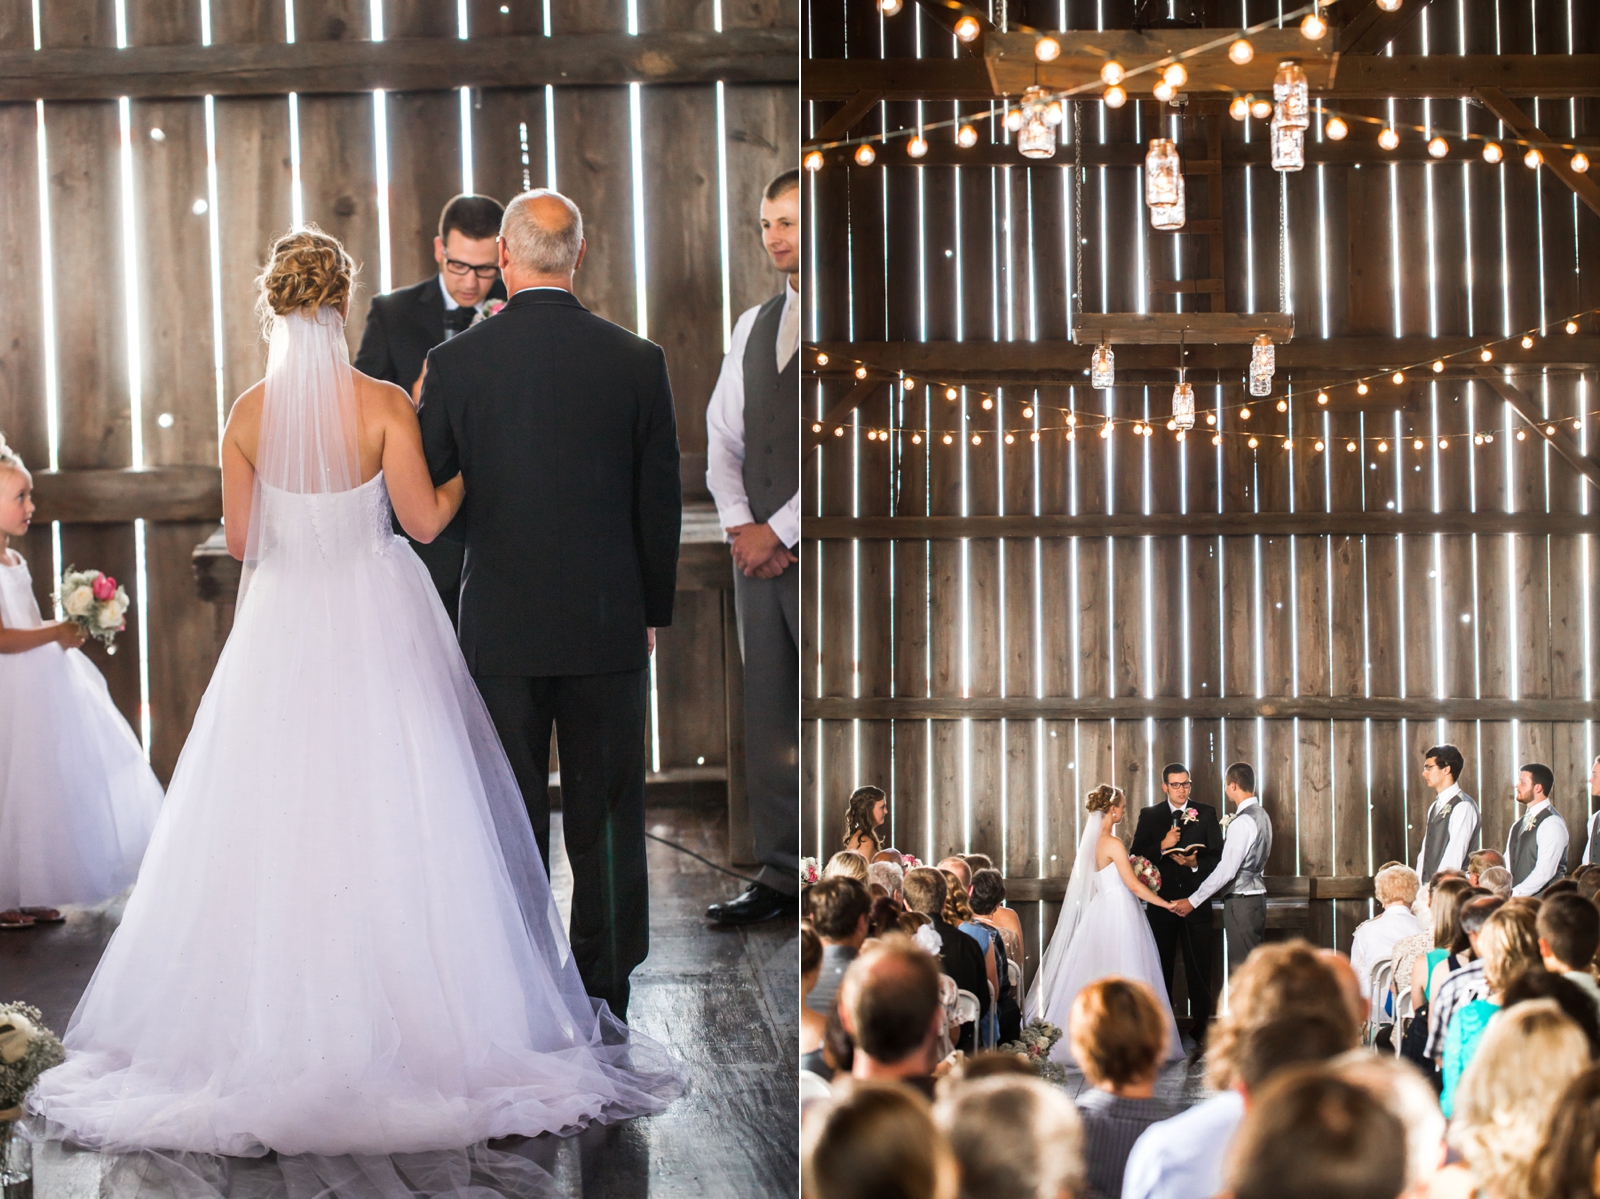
(1190, 937)
(599, 722)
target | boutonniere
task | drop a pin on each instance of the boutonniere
(487, 310)
(1226, 821)
(1190, 815)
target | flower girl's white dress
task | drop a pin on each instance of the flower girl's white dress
(343, 940)
(77, 799)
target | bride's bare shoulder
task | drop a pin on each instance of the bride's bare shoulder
(1111, 845)
(379, 398)
(246, 410)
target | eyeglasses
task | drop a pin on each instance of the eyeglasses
(1180, 786)
(462, 268)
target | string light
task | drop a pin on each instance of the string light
(968, 28)
(1417, 443)
(839, 431)
(1211, 418)
(816, 428)
(822, 358)
(1261, 109)
(908, 383)
(1105, 431)
(1047, 49)
(1072, 435)
(1239, 107)
(1492, 152)
(1163, 91)
(1283, 405)
(1549, 430)
(1010, 440)
(1527, 342)
(865, 155)
(1176, 75)
(1350, 446)
(966, 137)
(1361, 388)
(814, 161)
(888, 7)
(1397, 378)
(1438, 148)
(1114, 97)
(1533, 159)
(1389, 5)
(1241, 51)
(1438, 366)
(950, 393)
(948, 439)
(1486, 354)
(917, 146)
(1313, 27)
(1216, 439)
(1336, 129)
(1317, 445)
(1027, 413)
(1034, 436)
(1244, 414)
(861, 372)
(1288, 444)
(1252, 443)
(1580, 162)
(988, 404)
(1383, 447)
(1112, 73)
(1522, 435)
(1477, 439)
(1388, 138)
(1322, 397)
(916, 439)
(1444, 443)
(1572, 326)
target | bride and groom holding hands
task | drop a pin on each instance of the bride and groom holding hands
(343, 939)
(1102, 931)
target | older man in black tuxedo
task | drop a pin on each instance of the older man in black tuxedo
(561, 425)
(404, 325)
(1163, 832)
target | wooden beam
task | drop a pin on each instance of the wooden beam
(1013, 66)
(841, 122)
(402, 64)
(945, 14)
(1556, 158)
(1198, 524)
(853, 399)
(1366, 77)
(1560, 440)
(1371, 28)
(119, 496)
(1173, 328)
(1341, 355)
(1272, 707)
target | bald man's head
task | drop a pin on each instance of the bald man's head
(543, 233)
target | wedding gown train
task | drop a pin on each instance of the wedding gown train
(342, 940)
(1102, 931)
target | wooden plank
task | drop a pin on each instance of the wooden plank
(500, 119)
(1380, 522)
(1556, 156)
(331, 66)
(1558, 436)
(1230, 707)
(424, 173)
(600, 183)
(1372, 28)
(690, 686)
(847, 116)
(763, 128)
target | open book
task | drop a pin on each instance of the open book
(1184, 850)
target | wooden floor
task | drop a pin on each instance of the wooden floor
(724, 1000)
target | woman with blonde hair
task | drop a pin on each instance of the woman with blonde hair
(848, 864)
(1510, 1091)
(1509, 944)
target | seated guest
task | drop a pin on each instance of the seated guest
(1374, 939)
(1286, 1006)
(839, 911)
(889, 1005)
(1349, 985)
(1509, 1093)
(1410, 1100)
(1314, 1135)
(958, 911)
(1119, 1039)
(1560, 887)
(891, 855)
(888, 876)
(1480, 860)
(884, 918)
(1444, 910)
(1013, 1138)
(977, 861)
(878, 1141)
(1588, 882)
(813, 1024)
(1538, 983)
(960, 957)
(990, 1064)
(988, 894)
(1509, 945)
(1565, 1165)
(1569, 936)
(1496, 880)
(958, 866)
(866, 812)
(847, 864)
(1465, 983)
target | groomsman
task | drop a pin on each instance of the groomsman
(1536, 850)
(1591, 846)
(405, 324)
(753, 471)
(1164, 829)
(1241, 874)
(1452, 818)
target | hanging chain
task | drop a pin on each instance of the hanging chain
(1283, 242)
(1077, 199)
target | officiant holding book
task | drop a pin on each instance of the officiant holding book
(1184, 840)
(405, 324)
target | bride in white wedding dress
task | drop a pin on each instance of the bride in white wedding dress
(342, 942)
(1102, 929)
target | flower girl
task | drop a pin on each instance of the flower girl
(77, 799)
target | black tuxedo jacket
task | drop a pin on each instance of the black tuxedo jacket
(402, 327)
(1179, 882)
(562, 427)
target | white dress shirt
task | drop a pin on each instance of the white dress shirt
(725, 436)
(1236, 843)
(1458, 846)
(1375, 939)
(1182, 1158)
(1593, 820)
(1553, 837)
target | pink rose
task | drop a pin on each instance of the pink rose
(1190, 814)
(104, 588)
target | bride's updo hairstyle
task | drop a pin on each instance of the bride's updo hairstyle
(1103, 798)
(306, 270)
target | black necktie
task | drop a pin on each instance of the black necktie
(457, 319)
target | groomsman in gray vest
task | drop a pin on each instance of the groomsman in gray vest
(1591, 846)
(1240, 875)
(1536, 850)
(1452, 818)
(753, 471)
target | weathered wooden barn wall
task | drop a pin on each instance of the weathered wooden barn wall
(988, 682)
(207, 182)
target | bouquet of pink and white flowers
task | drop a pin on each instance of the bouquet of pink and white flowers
(1145, 871)
(1034, 1045)
(95, 602)
(810, 872)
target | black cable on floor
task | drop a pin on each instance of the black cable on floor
(698, 858)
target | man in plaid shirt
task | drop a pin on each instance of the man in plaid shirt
(1465, 984)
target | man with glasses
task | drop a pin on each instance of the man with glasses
(1184, 840)
(405, 324)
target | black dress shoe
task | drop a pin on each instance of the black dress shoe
(759, 902)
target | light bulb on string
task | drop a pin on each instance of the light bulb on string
(1549, 430)
(1288, 444)
(822, 358)
(1252, 443)
(838, 431)
(1438, 366)
(1175, 75)
(1181, 435)
(1027, 412)
(1163, 91)
(888, 7)
(1383, 447)
(861, 372)
(1172, 426)
(1533, 159)
(1438, 148)
(1112, 73)
(1216, 439)
(1072, 420)
(1105, 431)
(1580, 162)
(1336, 129)
(1313, 27)
(1527, 342)
(1577, 426)
(1522, 435)
(1072, 435)
(1492, 152)
(814, 161)
(949, 439)
(1047, 49)
(988, 404)
(1010, 440)
(917, 146)
(1489, 438)
(1477, 439)
(1486, 354)
(1571, 326)
(968, 28)
(1397, 378)
(1317, 445)
(1389, 5)
(865, 155)
(1417, 443)
(1241, 51)
(1350, 446)
(916, 439)
(1388, 138)
(1444, 443)
(966, 137)
(1211, 418)
(951, 393)
(1322, 397)
(1244, 414)
(908, 383)
(1283, 405)
(1261, 109)
(816, 428)
(1014, 119)
(1239, 107)
(1361, 389)
(1114, 96)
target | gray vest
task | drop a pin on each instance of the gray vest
(1438, 835)
(1525, 848)
(771, 417)
(1592, 850)
(1251, 870)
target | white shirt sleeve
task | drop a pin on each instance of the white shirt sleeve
(785, 522)
(725, 431)
(1241, 836)
(1552, 842)
(1459, 845)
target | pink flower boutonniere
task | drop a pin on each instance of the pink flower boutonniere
(488, 310)
(1190, 815)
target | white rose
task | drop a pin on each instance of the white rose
(79, 601)
(16, 1034)
(109, 617)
